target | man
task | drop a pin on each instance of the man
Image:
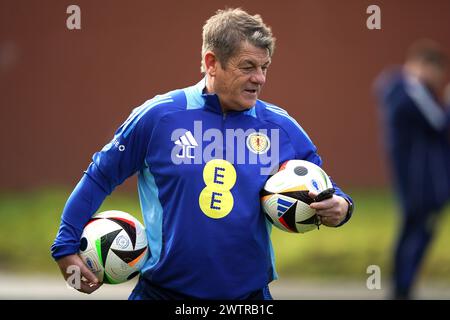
(418, 145)
(202, 154)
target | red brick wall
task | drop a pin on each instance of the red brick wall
(63, 93)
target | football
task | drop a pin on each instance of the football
(285, 199)
(114, 246)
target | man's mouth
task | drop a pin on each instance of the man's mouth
(253, 91)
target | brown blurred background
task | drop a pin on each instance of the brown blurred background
(64, 92)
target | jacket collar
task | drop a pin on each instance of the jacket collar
(212, 102)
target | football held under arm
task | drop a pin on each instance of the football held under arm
(118, 160)
(306, 150)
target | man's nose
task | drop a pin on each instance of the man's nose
(259, 77)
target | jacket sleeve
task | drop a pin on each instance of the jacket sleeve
(85, 199)
(433, 115)
(306, 150)
(118, 160)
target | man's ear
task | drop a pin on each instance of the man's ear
(211, 63)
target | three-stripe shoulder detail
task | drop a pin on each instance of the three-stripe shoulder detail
(284, 114)
(140, 111)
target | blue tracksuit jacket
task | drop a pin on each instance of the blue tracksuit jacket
(200, 173)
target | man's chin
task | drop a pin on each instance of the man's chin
(243, 105)
(248, 103)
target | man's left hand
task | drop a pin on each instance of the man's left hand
(331, 211)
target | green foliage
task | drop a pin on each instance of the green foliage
(29, 222)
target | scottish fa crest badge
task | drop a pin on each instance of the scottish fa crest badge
(258, 143)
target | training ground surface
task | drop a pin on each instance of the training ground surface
(47, 287)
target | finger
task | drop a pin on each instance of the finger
(322, 205)
(325, 215)
(312, 194)
(88, 274)
(88, 287)
(328, 217)
(329, 220)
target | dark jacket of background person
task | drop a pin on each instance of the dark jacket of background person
(416, 130)
(417, 141)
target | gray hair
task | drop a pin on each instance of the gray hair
(224, 32)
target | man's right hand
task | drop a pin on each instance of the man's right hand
(88, 281)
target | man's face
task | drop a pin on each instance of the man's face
(431, 74)
(239, 83)
(434, 76)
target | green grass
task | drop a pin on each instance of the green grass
(367, 239)
(29, 222)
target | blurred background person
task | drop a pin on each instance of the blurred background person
(416, 123)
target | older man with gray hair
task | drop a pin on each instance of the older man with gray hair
(200, 196)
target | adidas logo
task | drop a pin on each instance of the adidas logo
(188, 143)
(283, 206)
